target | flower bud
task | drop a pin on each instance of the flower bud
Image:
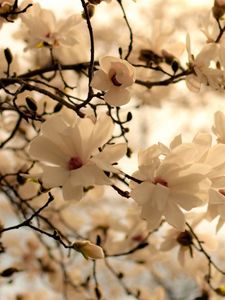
(88, 250)
(218, 9)
(90, 10)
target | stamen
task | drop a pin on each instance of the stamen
(160, 181)
(75, 163)
(115, 81)
(222, 191)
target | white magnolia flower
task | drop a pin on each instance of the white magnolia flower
(114, 77)
(205, 67)
(44, 30)
(169, 185)
(184, 240)
(70, 155)
(88, 249)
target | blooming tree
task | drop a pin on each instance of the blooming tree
(91, 206)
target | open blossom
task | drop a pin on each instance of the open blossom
(69, 152)
(169, 185)
(44, 30)
(205, 67)
(184, 240)
(114, 77)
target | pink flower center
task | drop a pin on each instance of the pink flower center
(158, 180)
(115, 81)
(222, 191)
(75, 163)
(137, 238)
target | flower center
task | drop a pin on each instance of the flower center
(160, 181)
(75, 163)
(115, 81)
(222, 191)
(185, 238)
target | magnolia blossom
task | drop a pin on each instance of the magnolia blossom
(88, 249)
(206, 67)
(69, 152)
(44, 30)
(212, 161)
(114, 77)
(169, 185)
(184, 240)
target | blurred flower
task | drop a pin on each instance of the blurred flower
(206, 67)
(44, 30)
(175, 238)
(184, 240)
(114, 77)
(70, 156)
(88, 250)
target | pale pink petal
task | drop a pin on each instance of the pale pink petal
(117, 96)
(186, 200)
(142, 193)
(102, 132)
(220, 224)
(106, 62)
(168, 244)
(54, 176)
(174, 216)
(193, 83)
(101, 81)
(112, 153)
(53, 125)
(82, 137)
(71, 192)
(160, 196)
(66, 24)
(88, 175)
(151, 215)
(181, 255)
(43, 149)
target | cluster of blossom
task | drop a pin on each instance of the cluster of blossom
(64, 138)
(168, 181)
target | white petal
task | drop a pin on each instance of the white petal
(117, 96)
(43, 149)
(54, 176)
(186, 200)
(53, 125)
(101, 81)
(102, 132)
(88, 175)
(142, 192)
(112, 153)
(160, 196)
(193, 83)
(168, 244)
(174, 216)
(71, 192)
(105, 62)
